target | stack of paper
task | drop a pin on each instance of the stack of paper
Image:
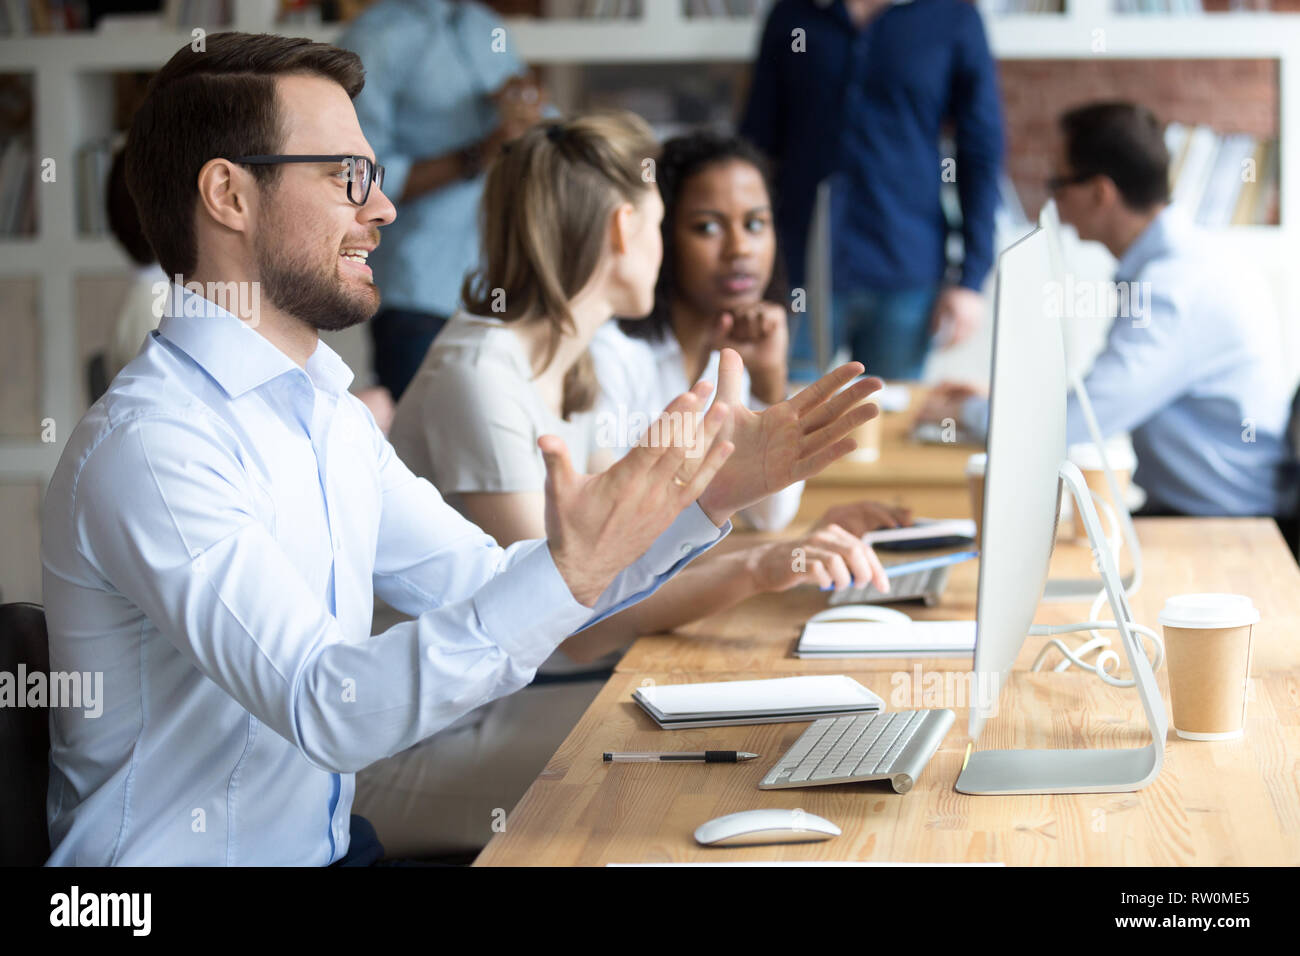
(774, 701)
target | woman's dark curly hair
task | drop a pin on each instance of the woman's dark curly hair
(681, 158)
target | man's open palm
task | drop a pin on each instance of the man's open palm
(787, 442)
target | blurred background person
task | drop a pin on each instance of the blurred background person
(137, 316)
(720, 286)
(1197, 377)
(443, 92)
(859, 91)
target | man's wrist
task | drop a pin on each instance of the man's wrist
(718, 513)
(585, 586)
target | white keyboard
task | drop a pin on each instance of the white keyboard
(895, 746)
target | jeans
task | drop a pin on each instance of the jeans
(401, 338)
(888, 332)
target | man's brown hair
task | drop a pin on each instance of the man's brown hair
(1121, 140)
(216, 103)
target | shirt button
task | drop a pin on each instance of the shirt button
(687, 549)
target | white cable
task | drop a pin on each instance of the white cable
(1096, 641)
(1105, 658)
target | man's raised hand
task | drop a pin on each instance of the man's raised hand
(596, 525)
(787, 442)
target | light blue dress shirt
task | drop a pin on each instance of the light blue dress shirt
(1198, 380)
(213, 536)
(431, 67)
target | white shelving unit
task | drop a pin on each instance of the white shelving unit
(73, 97)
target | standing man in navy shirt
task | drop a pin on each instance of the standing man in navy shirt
(859, 91)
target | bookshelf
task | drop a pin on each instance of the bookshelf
(72, 83)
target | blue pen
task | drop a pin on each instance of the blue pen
(924, 564)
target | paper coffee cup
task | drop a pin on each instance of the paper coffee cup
(975, 466)
(1088, 460)
(1208, 647)
(867, 436)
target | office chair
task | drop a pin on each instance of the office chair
(24, 742)
(1290, 524)
(97, 376)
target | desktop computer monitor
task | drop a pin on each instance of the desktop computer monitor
(1022, 490)
(1075, 589)
(1026, 445)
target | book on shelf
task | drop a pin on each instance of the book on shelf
(1158, 6)
(17, 195)
(1222, 180)
(184, 14)
(25, 17)
(1000, 8)
(94, 160)
(705, 9)
(592, 9)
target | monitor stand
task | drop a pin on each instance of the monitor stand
(1085, 589)
(1082, 771)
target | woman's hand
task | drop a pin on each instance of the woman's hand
(859, 517)
(829, 557)
(761, 335)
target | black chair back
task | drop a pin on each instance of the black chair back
(24, 740)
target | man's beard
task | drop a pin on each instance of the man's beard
(317, 295)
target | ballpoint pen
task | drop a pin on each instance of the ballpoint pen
(698, 756)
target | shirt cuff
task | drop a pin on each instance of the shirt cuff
(973, 278)
(528, 608)
(691, 533)
(974, 416)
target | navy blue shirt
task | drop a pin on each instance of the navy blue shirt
(867, 108)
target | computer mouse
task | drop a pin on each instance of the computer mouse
(752, 827)
(858, 613)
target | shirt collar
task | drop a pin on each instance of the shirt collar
(233, 353)
(1169, 226)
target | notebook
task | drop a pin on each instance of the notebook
(887, 639)
(773, 701)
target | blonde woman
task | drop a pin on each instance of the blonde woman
(570, 229)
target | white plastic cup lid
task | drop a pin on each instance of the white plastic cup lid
(1208, 610)
(1086, 457)
(976, 464)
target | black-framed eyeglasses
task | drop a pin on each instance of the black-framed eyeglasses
(361, 171)
(1057, 183)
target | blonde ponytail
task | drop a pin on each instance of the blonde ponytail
(546, 203)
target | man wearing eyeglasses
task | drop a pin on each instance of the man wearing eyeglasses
(220, 520)
(1191, 363)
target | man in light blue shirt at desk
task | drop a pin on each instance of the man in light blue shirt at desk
(437, 106)
(220, 519)
(1191, 366)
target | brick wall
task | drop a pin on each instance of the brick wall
(1231, 96)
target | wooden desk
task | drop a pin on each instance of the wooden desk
(1246, 556)
(1234, 802)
